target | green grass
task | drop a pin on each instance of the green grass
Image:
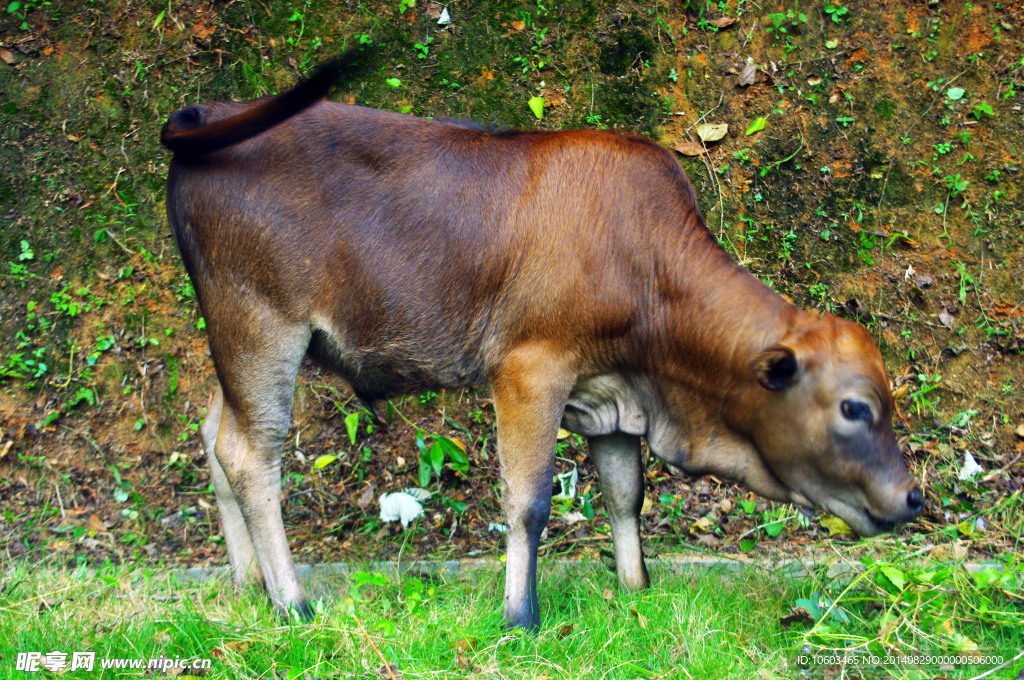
(696, 624)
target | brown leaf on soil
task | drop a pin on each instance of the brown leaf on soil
(641, 619)
(366, 497)
(722, 22)
(565, 631)
(7, 57)
(390, 671)
(689, 148)
(796, 615)
(434, 10)
(96, 524)
(748, 75)
(859, 55)
(463, 648)
(518, 25)
(709, 540)
(202, 31)
(949, 551)
(238, 646)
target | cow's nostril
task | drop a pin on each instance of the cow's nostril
(915, 500)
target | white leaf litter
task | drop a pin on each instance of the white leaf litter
(568, 481)
(403, 506)
(970, 468)
(417, 493)
(444, 18)
(500, 528)
(573, 517)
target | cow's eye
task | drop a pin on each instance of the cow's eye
(855, 410)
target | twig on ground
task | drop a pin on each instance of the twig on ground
(387, 666)
(995, 473)
(999, 667)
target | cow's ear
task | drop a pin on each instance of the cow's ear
(776, 368)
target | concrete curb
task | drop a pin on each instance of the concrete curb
(472, 569)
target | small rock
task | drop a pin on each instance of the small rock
(1019, 431)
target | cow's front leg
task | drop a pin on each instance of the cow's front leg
(620, 468)
(530, 389)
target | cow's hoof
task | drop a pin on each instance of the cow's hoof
(300, 612)
(527, 623)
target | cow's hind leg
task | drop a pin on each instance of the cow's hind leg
(257, 357)
(245, 568)
(620, 468)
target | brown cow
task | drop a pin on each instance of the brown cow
(570, 270)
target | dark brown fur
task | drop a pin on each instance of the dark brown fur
(570, 270)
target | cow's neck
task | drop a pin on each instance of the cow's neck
(715, 318)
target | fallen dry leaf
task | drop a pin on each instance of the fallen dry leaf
(434, 10)
(748, 75)
(722, 22)
(607, 595)
(701, 525)
(96, 524)
(463, 648)
(366, 497)
(709, 540)
(565, 631)
(202, 31)
(712, 132)
(796, 615)
(389, 672)
(7, 57)
(518, 25)
(641, 619)
(949, 551)
(689, 148)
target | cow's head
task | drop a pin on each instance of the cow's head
(818, 411)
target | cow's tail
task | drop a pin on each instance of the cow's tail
(187, 134)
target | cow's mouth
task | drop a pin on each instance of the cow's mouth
(857, 514)
(882, 524)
